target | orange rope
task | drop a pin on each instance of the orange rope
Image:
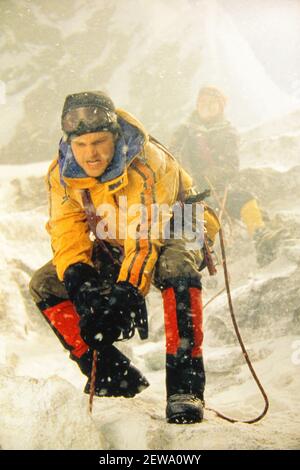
(93, 379)
(245, 353)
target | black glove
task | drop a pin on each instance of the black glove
(97, 327)
(129, 303)
(103, 318)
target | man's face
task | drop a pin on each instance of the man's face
(94, 151)
(209, 107)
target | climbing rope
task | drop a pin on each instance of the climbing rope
(245, 353)
(93, 380)
(221, 204)
(214, 297)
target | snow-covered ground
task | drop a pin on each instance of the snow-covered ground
(41, 397)
(150, 56)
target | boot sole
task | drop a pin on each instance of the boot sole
(185, 418)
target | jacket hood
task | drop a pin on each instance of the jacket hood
(130, 143)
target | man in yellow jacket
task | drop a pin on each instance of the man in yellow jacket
(108, 176)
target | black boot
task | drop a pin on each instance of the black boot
(115, 376)
(185, 375)
(185, 379)
(184, 409)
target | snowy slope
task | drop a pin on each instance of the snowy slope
(152, 57)
(41, 389)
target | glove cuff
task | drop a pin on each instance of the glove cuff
(76, 275)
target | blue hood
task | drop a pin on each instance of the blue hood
(127, 147)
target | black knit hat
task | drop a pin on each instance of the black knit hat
(90, 111)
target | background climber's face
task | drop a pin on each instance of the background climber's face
(209, 107)
(94, 151)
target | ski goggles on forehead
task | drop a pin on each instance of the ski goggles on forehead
(88, 119)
